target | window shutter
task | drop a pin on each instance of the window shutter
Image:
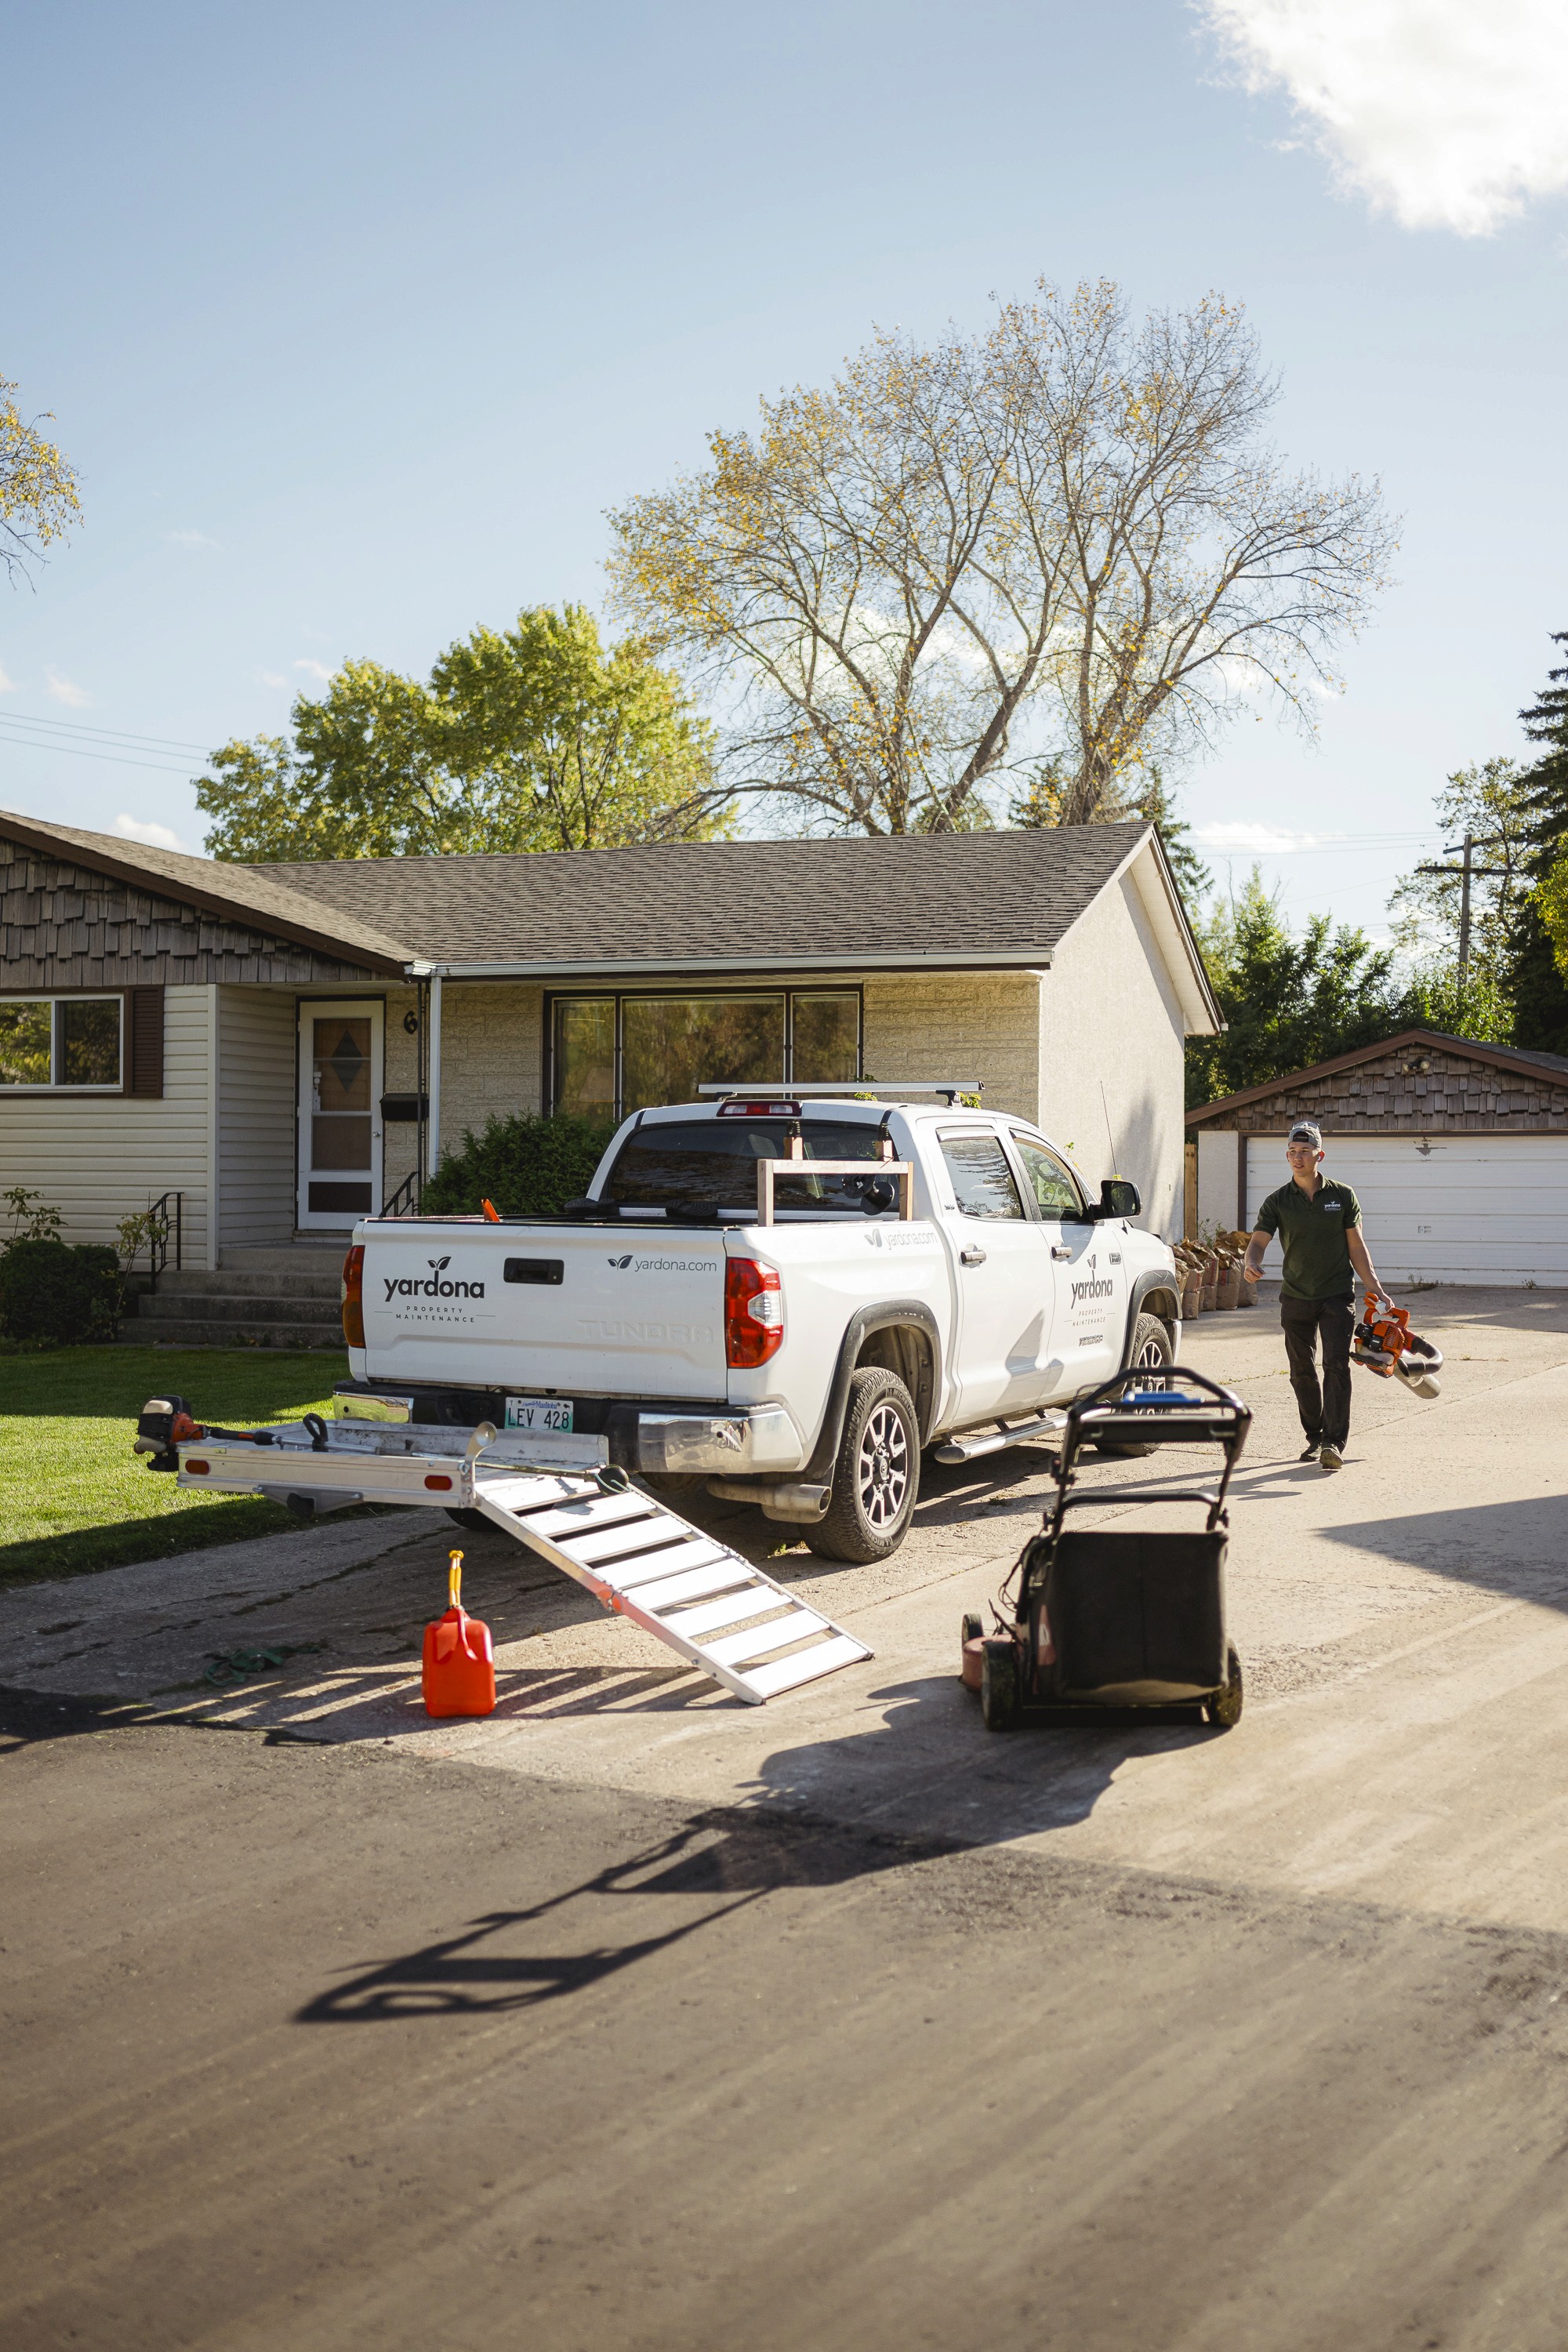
(144, 1043)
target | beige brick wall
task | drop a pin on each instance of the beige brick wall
(983, 1025)
(493, 1054)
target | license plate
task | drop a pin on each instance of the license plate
(540, 1412)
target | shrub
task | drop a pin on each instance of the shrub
(527, 1167)
(57, 1296)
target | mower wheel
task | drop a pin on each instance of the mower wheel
(972, 1627)
(1224, 1707)
(999, 1694)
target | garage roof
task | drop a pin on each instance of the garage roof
(1551, 1067)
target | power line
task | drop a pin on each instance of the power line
(117, 734)
(112, 759)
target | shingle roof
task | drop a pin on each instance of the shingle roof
(1506, 1057)
(256, 896)
(1004, 896)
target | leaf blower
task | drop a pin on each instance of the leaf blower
(1385, 1343)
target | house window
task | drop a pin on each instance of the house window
(612, 1055)
(61, 1041)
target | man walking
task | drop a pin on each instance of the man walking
(1318, 1225)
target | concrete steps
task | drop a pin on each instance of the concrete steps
(283, 1298)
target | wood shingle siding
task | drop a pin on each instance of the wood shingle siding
(62, 926)
(1422, 1083)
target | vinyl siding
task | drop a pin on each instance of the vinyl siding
(99, 1158)
(256, 1116)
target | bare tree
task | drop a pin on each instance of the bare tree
(1065, 537)
(37, 487)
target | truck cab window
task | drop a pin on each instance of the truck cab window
(1053, 1187)
(678, 1164)
(982, 1182)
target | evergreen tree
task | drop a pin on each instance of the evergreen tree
(1289, 1000)
(1536, 978)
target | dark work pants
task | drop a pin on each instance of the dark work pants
(1325, 1412)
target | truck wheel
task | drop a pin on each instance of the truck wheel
(1152, 1353)
(877, 1475)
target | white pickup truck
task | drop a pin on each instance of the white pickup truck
(782, 1298)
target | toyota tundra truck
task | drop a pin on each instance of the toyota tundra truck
(786, 1300)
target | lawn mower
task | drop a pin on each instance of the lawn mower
(1113, 1618)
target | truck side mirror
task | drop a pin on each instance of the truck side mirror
(1118, 1198)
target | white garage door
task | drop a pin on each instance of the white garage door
(1454, 1208)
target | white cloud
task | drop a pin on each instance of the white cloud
(61, 689)
(189, 539)
(156, 836)
(315, 668)
(1259, 840)
(8, 685)
(1447, 113)
(273, 678)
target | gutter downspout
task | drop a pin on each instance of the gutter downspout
(434, 1157)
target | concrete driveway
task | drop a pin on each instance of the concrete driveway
(836, 2021)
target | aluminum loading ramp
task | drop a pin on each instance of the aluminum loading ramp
(693, 1592)
(703, 1600)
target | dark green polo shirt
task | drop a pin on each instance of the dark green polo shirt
(1312, 1235)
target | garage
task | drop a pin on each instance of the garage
(1458, 1152)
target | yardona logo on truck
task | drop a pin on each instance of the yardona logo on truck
(409, 1286)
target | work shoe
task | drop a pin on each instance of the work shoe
(1313, 1449)
(1330, 1458)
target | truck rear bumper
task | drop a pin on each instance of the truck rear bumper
(683, 1441)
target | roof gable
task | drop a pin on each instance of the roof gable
(1420, 1079)
(246, 894)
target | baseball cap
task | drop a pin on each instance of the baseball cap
(1307, 1130)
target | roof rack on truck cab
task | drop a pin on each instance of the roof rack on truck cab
(845, 1090)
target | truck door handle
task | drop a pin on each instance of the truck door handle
(1060, 1249)
(973, 1256)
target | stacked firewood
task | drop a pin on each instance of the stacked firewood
(1211, 1274)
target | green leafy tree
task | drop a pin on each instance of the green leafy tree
(1538, 968)
(1289, 999)
(537, 737)
(1048, 800)
(38, 500)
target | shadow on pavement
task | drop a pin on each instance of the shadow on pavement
(1517, 1547)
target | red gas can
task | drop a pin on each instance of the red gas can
(460, 1673)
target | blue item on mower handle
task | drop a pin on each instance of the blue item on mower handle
(1199, 1412)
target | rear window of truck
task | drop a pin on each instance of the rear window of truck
(712, 1164)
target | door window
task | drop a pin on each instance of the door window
(1055, 1193)
(982, 1182)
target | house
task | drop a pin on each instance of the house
(286, 1047)
(1458, 1152)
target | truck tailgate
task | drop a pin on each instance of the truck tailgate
(534, 1307)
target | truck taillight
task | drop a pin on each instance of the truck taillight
(353, 1295)
(754, 1314)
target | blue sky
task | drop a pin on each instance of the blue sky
(356, 320)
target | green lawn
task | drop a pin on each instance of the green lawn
(73, 1497)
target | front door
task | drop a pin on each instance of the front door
(339, 1113)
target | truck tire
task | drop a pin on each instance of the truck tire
(1151, 1348)
(877, 1473)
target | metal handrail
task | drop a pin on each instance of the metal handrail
(405, 1202)
(165, 1221)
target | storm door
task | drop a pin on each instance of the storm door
(339, 1113)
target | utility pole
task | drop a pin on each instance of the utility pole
(1465, 871)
